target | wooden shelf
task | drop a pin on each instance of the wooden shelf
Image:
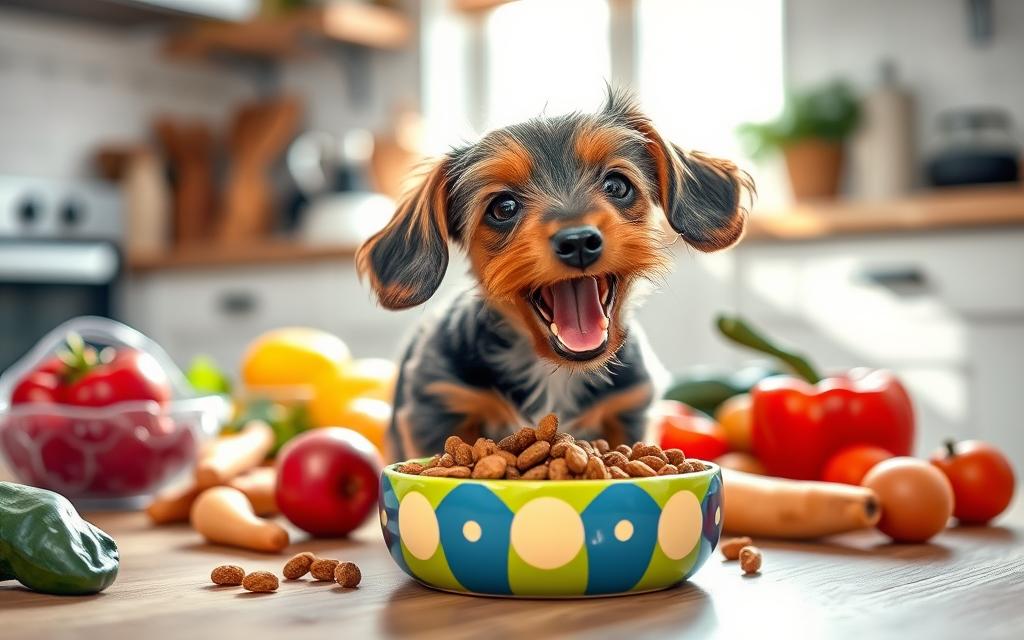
(289, 35)
(932, 210)
(478, 5)
(221, 255)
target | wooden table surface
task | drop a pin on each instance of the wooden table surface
(968, 583)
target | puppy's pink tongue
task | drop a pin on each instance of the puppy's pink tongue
(577, 312)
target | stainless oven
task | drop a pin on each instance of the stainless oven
(60, 257)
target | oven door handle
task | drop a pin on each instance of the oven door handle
(93, 263)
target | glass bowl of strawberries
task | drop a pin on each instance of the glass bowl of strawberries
(99, 413)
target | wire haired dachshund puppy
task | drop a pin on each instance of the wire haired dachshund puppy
(561, 219)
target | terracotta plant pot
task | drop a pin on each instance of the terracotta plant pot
(815, 167)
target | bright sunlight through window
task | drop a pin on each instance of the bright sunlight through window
(705, 67)
(545, 57)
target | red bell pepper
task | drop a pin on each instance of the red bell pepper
(798, 424)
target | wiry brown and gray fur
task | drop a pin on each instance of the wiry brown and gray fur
(487, 365)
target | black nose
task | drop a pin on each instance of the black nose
(578, 246)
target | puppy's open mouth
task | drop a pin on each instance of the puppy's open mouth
(576, 313)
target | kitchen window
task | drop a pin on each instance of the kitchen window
(534, 57)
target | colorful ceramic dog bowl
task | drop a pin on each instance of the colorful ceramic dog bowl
(551, 539)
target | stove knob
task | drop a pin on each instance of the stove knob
(28, 211)
(71, 214)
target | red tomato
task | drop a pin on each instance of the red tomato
(41, 385)
(851, 464)
(981, 476)
(131, 375)
(683, 428)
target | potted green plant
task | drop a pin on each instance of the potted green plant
(810, 133)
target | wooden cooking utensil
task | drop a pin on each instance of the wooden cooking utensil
(190, 149)
(259, 135)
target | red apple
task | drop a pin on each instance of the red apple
(327, 481)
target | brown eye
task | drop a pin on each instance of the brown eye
(616, 186)
(503, 209)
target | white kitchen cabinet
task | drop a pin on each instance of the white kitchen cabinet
(944, 310)
(218, 311)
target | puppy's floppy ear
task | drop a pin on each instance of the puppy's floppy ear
(700, 195)
(406, 260)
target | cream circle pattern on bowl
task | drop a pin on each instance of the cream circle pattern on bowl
(417, 525)
(551, 539)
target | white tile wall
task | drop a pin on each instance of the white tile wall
(66, 87)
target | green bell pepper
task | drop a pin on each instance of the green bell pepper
(46, 546)
(706, 388)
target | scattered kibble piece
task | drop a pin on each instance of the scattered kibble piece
(260, 582)
(750, 559)
(323, 569)
(347, 574)
(299, 565)
(731, 547)
(227, 575)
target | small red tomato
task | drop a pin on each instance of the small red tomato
(982, 479)
(131, 375)
(683, 428)
(43, 384)
(850, 465)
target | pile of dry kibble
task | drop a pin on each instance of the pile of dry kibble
(545, 454)
(346, 574)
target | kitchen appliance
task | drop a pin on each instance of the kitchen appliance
(978, 146)
(334, 178)
(60, 257)
(141, 12)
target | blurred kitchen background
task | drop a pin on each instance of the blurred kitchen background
(204, 169)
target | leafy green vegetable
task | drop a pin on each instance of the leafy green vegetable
(830, 112)
(287, 420)
(206, 377)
